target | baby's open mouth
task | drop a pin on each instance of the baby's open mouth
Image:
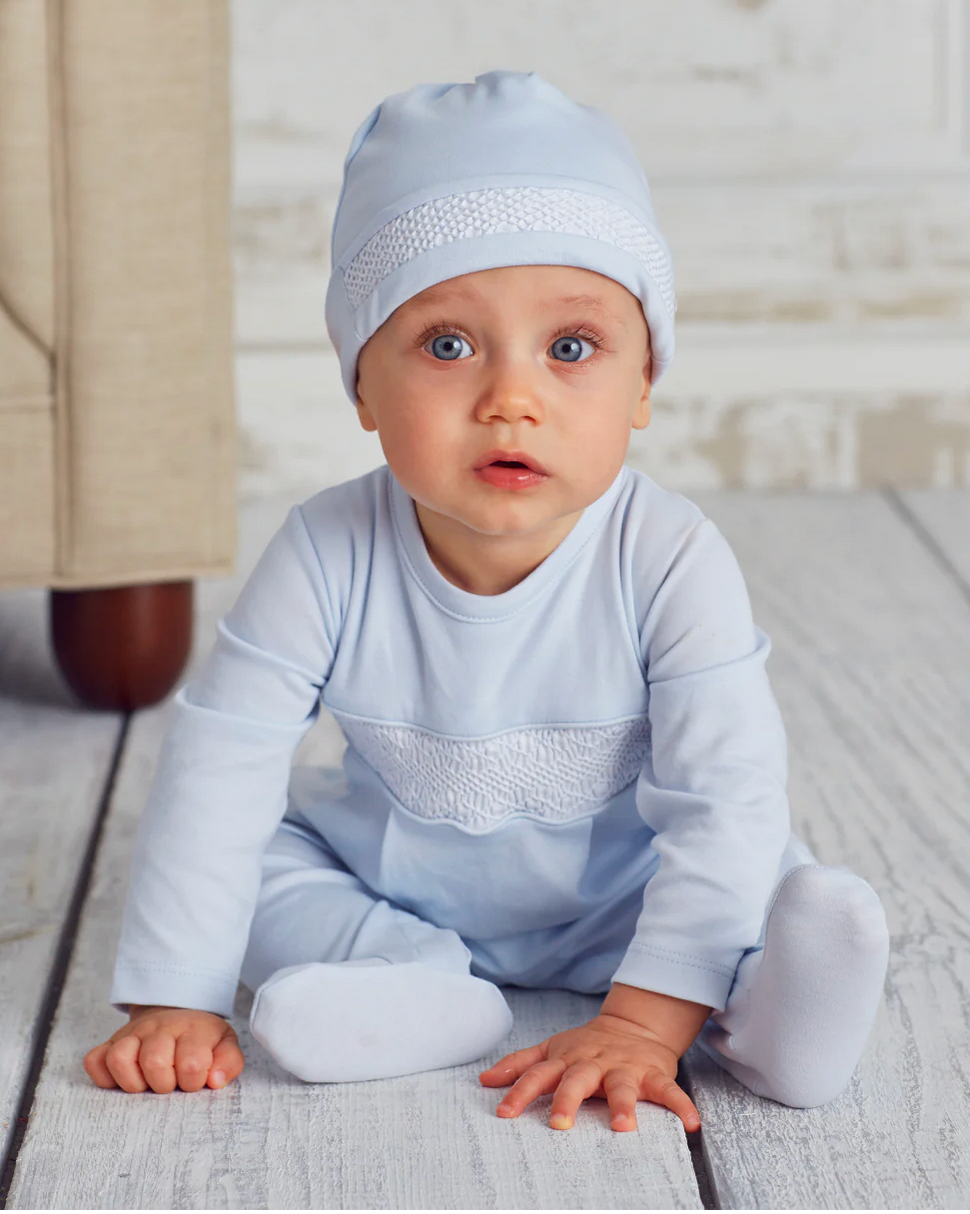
(503, 458)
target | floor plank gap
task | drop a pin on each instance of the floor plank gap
(62, 959)
(698, 1155)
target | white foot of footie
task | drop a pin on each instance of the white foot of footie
(339, 1023)
(798, 1033)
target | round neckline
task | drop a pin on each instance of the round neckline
(465, 604)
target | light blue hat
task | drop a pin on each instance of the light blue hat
(447, 179)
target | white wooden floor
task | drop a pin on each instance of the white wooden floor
(866, 597)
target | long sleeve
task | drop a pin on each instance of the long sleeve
(220, 786)
(713, 786)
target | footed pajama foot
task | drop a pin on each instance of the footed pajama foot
(796, 1030)
(354, 1020)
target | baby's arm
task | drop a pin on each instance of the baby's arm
(161, 1047)
(713, 784)
(217, 797)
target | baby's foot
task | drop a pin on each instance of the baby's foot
(797, 1033)
(354, 1020)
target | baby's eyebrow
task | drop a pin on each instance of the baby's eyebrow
(436, 297)
(593, 303)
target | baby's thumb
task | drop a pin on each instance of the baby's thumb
(227, 1062)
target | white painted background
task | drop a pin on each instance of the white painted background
(809, 162)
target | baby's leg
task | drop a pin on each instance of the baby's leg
(801, 1009)
(349, 986)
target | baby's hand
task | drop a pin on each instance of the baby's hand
(609, 1057)
(162, 1046)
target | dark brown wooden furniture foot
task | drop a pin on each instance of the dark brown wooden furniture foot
(122, 647)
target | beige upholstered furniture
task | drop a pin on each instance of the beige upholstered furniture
(117, 428)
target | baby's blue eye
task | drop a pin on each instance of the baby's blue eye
(446, 346)
(570, 347)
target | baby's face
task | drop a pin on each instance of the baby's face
(497, 359)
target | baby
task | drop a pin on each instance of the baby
(565, 766)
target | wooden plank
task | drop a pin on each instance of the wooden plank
(54, 759)
(870, 663)
(271, 1141)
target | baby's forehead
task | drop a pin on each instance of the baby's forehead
(540, 286)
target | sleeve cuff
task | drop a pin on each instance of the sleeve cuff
(676, 974)
(205, 992)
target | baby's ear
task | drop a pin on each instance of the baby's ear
(365, 415)
(641, 417)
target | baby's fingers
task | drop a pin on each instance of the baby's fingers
(96, 1068)
(509, 1068)
(661, 1089)
(157, 1061)
(227, 1061)
(539, 1080)
(192, 1059)
(621, 1091)
(121, 1059)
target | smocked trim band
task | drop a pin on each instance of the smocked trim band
(508, 209)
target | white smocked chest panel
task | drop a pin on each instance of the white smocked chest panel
(553, 773)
